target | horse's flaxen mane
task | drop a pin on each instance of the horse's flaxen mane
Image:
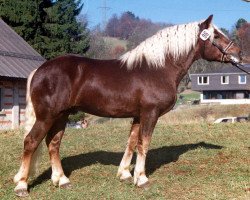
(175, 40)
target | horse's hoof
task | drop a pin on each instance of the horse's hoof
(145, 185)
(66, 186)
(21, 193)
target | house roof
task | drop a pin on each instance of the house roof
(17, 57)
(225, 69)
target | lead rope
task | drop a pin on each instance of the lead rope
(239, 66)
(233, 62)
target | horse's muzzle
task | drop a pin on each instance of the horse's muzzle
(234, 59)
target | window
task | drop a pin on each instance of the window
(242, 79)
(203, 80)
(224, 79)
(226, 94)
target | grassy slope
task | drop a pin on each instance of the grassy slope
(179, 165)
(204, 113)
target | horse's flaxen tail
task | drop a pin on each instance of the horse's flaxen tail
(30, 119)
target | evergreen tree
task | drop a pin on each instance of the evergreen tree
(225, 31)
(65, 34)
(49, 26)
(240, 23)
(26, 17)
(234, 36)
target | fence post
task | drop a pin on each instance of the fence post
(15, 108)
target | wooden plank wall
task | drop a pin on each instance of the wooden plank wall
(12, 100)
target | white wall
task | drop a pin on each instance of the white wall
(223, 101)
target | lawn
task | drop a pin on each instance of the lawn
(187, 97)
(184, 162)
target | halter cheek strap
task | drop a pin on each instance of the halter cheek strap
(224, 52)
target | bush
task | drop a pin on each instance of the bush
(79, 116)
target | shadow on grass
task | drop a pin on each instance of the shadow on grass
(155, 159)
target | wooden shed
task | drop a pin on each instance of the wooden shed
(17, 60)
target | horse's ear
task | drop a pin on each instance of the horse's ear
(208, 21)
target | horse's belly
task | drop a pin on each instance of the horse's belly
(110, 107)
(115, 113)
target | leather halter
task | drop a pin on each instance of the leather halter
(223, 51)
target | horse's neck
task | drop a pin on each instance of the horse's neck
(182, 65)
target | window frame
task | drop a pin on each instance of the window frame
(226, 78)
(239, 79)
(202, 82)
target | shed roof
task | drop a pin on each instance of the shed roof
(228, 68)
(225, 69)
(17, 57)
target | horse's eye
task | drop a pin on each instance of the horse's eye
(216, 37)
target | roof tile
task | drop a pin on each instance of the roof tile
(17, 57)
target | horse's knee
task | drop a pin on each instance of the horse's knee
(53, 149)
(53, 144)
(30, 145)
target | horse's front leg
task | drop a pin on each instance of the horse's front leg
(123, 170)
(148, 122)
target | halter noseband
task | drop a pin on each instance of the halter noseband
(223, 51)
(233, 60)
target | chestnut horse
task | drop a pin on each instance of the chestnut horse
(141, 84)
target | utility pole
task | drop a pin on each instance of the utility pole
(104, 9)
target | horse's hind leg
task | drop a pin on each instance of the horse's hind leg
(123, 171)
(31, 142)
(53, 141)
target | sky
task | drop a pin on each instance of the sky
(226, 12)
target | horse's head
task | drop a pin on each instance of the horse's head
(215, 45)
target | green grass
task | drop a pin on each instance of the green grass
(184, 162)
(188, 98)
(187, 114)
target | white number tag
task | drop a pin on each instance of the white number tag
(205, 34)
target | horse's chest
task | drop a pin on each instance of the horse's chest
(166, 100)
